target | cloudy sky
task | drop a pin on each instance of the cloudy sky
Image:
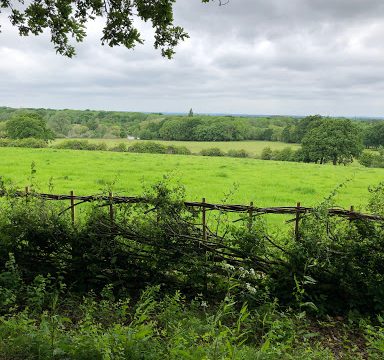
(250, 56)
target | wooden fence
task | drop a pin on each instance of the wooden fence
(248, 210)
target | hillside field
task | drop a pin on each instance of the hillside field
(267, 183)
(254, 148)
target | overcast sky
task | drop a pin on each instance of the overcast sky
(251, 56)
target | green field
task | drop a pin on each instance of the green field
(254, 148)
(267, 183)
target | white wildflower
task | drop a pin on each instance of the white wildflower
(228, 266)
(252, 290)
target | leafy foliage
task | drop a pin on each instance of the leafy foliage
(68, 19)
(371, 159)
(332, 140)
(28, 126)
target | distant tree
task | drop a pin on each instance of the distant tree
(179, 128)
(23, 126)
(60, 123)
(289, 134)
(77, 131)
(333, 140)
(2, 129)
(374, 135)
(267, 134)
(190, 112)
(305, 125)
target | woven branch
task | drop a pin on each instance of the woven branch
(254, 211)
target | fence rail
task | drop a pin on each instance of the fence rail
(250, 209)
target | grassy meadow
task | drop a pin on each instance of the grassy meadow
(254, 148)
(267, 183)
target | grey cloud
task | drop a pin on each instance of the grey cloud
(250, 56)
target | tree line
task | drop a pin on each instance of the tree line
(323, 139)
(152, 126)
(157, 126)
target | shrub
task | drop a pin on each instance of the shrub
(27, 143)
(97, 146)
(32, 143)
(147, 147)
(212, 152)
(120, 147)
(238, 153)
(366, 159)
(285, 154)
(179, 150)
(375, 160)
(266, 154)
(157, 148)
(80, 145)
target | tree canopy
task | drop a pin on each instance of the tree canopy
(28, 126)
(66, 19)
(336, 140)
(374, 135)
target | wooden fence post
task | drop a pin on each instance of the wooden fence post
(204, 219)
(26, 194)
(72, 207)
(111, 207)
(352, 209)
(250, 216)
(297, 233)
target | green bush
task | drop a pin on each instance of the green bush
(39, 239)
(266, 153)
(27, 143)
(179, 150)
(147, 147)
(374, 160)
(81, 145)
(120, 147)
(238, 153)
(212, 152)
(157, 148)
(286, 154)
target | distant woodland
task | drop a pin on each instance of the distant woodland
(157, 126)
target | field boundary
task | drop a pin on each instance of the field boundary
(250, 209)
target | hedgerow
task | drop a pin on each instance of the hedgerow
(71, 291)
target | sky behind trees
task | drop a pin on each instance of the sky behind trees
(250, 56)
